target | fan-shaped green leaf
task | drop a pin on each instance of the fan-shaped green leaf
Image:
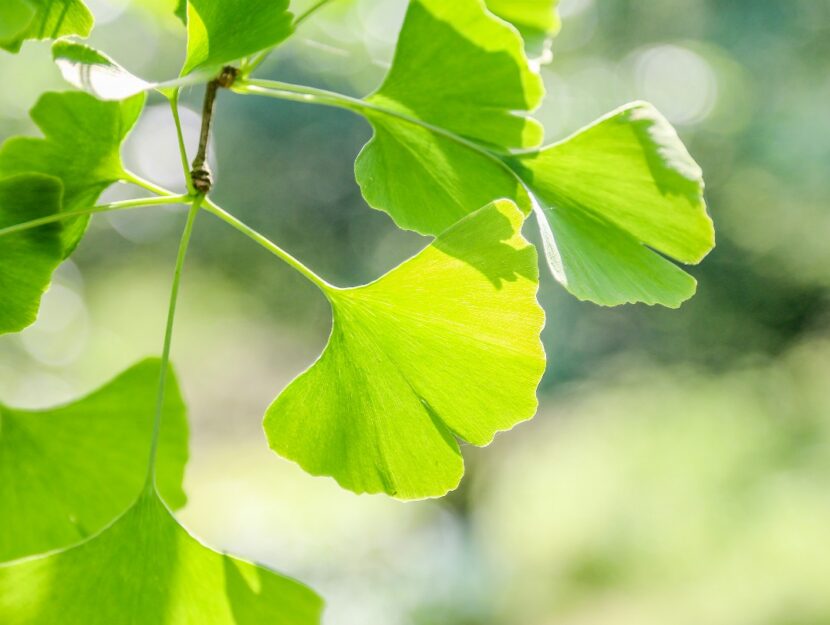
(93, 71)
(27, 258)
(48, 19)
(81, 147)
(67, 472)
(615, 197)
(460, 71)
(145, 569)
(446, 345)
(222, 32)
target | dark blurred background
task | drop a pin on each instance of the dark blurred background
(678, 470)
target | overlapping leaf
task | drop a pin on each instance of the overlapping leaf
(47, 19)
(81, 147)
(67, 472)
(616, 197)
(15, 18)
(27, 258)
(222, 32)
(537, 20)
(458, 72)
(445, 346)
(146, 569)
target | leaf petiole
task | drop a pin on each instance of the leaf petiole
(272, 247)
(174, 107)
(324, 97)
(101, 208)
(168, 337)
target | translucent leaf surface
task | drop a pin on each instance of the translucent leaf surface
(15, 18)
(67, 472)
(457, 70)
(93, 71)
(146, 569)
(537, 20)
(614, 199)
(81, 146)
(51, 19)
(444, 347)
(222, 32)
(427, 181)
(27, 258)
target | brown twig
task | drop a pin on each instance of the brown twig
(200, 172)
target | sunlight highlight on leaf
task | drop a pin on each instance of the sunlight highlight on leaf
(444, 347)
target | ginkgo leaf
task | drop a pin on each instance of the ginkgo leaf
(458, 71)
(15, 18)
(427, 181)
(222, 32)
(93, 71)
(50, 19)
(444, 347)
(67, 472)
(27, 258)
(614, 198)
(145, 569)
(81, 147)
(537, 20)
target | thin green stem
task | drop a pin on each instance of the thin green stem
(174, 107)
(152, 187)
(260, 58)
(272, 247)
(323, 97)
(101, 208)
(168, 338)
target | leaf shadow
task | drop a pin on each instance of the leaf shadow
(499, 262)
(260, 596)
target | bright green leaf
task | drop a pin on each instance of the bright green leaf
(537, 20)
(222, 32)
(427, 181)
(67, 472)
(91, 70)
(15, 18)
(27, 258)
(145, 569)
(458, 71)
(51, 19)
(81, 147)
(445, 346)
(614, 198)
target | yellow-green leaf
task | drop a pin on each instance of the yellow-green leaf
(444, 347)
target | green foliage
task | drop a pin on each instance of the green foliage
(15, 17)
(81, 146)
(381, 408)
(222, 32)
(613, 196)
(535, 16)
(42, 19)
(487, 90)
(145, 568)
(67, 472)
(27, 258)
(443, 349)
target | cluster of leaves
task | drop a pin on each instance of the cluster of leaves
(444, 348)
